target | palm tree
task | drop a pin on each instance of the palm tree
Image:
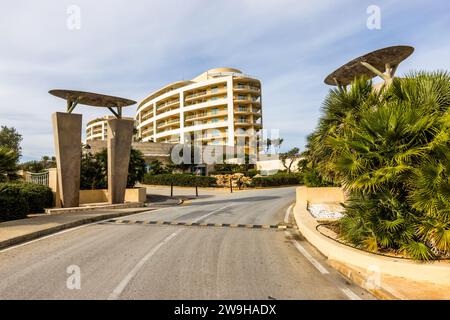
(391, 152)
(276, 143)
(8, 163)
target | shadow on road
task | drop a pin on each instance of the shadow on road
(234, 200)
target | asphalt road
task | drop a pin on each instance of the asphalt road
(137, 261)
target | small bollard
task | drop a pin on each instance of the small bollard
(196, 191)
(231, 186)
(171, 190)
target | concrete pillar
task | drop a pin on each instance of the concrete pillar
(67, 136)
(120, 133)
(53, 184)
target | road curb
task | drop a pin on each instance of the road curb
(360, 279)
(41, 233)
(353, 275)
(94, 207)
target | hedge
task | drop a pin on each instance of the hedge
(249, 173)
(279, 179)
(19, 199)
(188, 180)
(312, 178)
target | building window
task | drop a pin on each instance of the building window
(214, 111)
(214, 89)
(214, 120)
(242, 97)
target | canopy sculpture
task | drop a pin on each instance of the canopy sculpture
(67, 135)
(92, 99)
(383, 63)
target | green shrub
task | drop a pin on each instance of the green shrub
(19, 199)
(12, 204)
(94, 170)
(251, 173)
(279, 179)
(37, 196)
(180, 180)
(312, 178)
(389, 149)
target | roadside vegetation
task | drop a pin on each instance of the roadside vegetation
(240, 175)
(94, 170)
(390, 150)
(17, 198)
(179, 179)
(278, 179)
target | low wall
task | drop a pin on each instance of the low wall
(437, 272)
(307, 195)
(101, 195)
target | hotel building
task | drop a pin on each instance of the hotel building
(219, 107)
(97, 129)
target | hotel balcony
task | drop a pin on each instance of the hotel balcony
(146, 115)
(247, 122)
(168, 123)
(220, 123)
(203, 100)
(167, 104)
(175, 139)
(211, 136)
(205, 94)
(205, 115)
(247, 99)
(247, 110)
(246, 88)
(147, 131)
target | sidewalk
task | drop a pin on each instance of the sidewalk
(36, 226)
(394, 288)
(385, 277)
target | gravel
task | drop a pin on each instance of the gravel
(326, 211)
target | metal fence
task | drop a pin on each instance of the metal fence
(38, 178)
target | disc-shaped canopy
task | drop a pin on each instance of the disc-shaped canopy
(378, 59)
(91, 99)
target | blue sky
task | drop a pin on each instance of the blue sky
(130, 48)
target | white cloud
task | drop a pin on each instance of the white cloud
(130, 48)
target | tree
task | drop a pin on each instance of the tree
(8, 164)
(276, 143)
(157, 167)
(10, 138)
(268, 144)
(94, 169)
(32, 166)
(288, 158)
(390, 149)
(136, 168)
(39, 166)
